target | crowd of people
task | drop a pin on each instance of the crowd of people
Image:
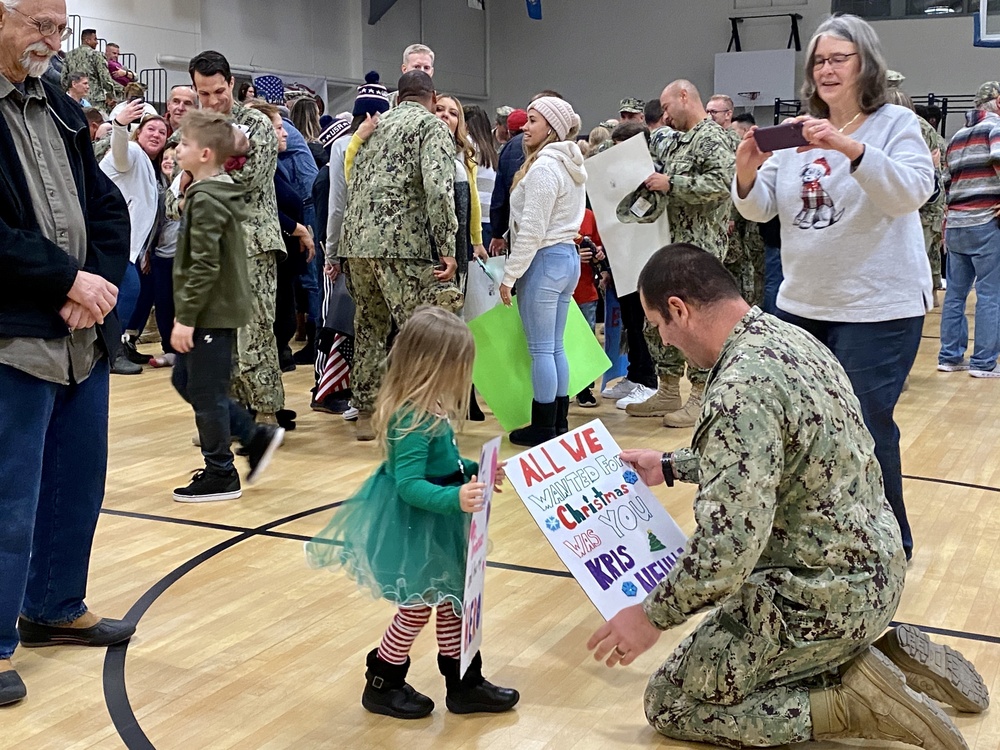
(232, 213)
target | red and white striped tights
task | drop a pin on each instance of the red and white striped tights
(406, 626)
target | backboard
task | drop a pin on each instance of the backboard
(987, 24)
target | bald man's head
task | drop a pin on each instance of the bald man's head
(682, 105)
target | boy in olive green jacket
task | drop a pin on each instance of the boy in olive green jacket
(212, 300)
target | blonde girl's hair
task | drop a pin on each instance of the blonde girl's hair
(531, 154)
(466, 148)
(428, 373)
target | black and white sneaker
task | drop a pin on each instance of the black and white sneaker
(261, 449)
(208, 486)
(585, 398)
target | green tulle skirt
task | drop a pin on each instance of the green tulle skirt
(397, 551)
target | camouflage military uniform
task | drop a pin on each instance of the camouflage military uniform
(745, 253)
(701, 164)
(92, 64)
(932, 212)
(257, 378)
(796, 548)
(400, 211)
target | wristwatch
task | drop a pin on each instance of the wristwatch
(667, 465)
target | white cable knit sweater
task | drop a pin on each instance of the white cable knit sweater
(546, 207)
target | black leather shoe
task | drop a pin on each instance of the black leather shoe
(388, 693)
(11, 688)
(471, 693)
(107, 632)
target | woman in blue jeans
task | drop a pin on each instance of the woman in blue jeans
(852, 247)
(546, 208)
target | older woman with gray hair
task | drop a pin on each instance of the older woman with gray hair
(852, 248)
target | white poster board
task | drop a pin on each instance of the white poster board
(602, 520)
(769, 72)
(611, 175)
(475, 562)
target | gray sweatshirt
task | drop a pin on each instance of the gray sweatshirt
(852, 247)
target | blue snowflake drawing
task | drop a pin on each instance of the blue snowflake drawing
(629, 589)
(552, 523)
(631, 477)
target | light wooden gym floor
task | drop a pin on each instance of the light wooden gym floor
(240, 645)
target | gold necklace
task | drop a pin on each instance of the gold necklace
(841, 130)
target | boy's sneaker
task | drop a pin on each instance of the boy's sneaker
(619, 390)
(953, 366)
(585, 398)
(207, 486)
(351, 415)
(994, 373)
(261, 449)
(637, 395)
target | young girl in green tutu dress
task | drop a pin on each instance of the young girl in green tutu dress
(404, 535)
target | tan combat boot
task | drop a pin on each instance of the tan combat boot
(666, 399)
(940, 672)
(687, 416)
(872, 702)
(364, 430)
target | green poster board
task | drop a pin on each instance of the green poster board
(502, 372)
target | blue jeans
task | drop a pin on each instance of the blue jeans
(544, 294)
(128, 294)
(974, 254)
(156, 292)
(52, 469)
(772, 278)
(877, 358)
(589, 310)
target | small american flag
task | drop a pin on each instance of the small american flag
(336, 371)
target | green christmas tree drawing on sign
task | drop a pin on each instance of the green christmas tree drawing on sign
(655, 545)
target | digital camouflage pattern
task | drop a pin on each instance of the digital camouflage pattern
(745, 251)
(387, 290)
(795, 545)
(257, 375)
(402, 189)
(933, 211)
(92, 64)
(701, 163)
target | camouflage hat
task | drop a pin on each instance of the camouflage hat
(504, 112)
(632, 106)
(894, 78)
(609, 125)
(987, 93)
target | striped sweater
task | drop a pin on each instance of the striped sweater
(973, 174)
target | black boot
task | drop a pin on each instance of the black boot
(475, 413)
(307, 354)
(387, 692)
(542, 427)
(472, 694)
(562, 415)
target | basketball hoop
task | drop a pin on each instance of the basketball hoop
(747, 99)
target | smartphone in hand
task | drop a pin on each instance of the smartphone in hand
(777, 137)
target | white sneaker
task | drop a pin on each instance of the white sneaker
(351, 414)
(619, 390)
(994, 373)
(636, 396)
(953, 366)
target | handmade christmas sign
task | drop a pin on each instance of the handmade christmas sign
(602, 520)
(475, 564)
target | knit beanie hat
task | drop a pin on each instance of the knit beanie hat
(558, 113)
(373, 97)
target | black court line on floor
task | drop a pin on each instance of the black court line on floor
(116, 694)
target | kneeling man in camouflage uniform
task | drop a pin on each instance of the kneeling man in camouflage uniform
(795, 553)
